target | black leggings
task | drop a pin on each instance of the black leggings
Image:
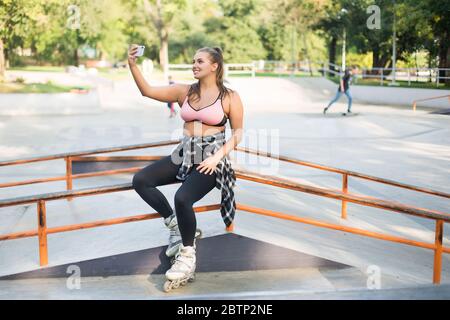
(194, 188)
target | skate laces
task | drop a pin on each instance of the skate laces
(171, 221)
(174, 233)
(184, 259)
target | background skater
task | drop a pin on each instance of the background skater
(344, 88)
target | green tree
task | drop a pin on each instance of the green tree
(235, 31)
(16, 19)
(285, 28)
(190, 32)
(100, 24)
(161, 15)
(437, 14)
(330, 24)
(299, 17)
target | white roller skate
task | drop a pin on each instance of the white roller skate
(175, 236)
(183, 269)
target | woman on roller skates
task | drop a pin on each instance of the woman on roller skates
(200, 161)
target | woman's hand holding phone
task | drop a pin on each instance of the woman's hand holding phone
(133, 52)
(132, 55)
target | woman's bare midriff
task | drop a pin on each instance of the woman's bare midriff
(196, 128)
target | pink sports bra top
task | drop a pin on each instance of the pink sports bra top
(212, 115)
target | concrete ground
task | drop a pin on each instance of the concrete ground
(295, 283)
(282, 116)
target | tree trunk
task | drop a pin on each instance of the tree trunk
(380, 60)
(7, 58)
(2, 61)
(76, 58)
(386, 62)
(376, 59)
(444, 61)
(429, 66)
(332, 53)
(447, 81)
(164, 53)
(305, 45)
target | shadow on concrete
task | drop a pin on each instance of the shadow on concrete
(227, 252)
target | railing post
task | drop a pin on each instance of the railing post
(409, 78)
(344, 190)
(437, 77)
(382, 77)
(437, 267)
(69, 174)
(42, 233)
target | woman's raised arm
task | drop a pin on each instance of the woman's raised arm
(170, 93)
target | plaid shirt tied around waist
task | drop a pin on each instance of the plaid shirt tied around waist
(193, 150)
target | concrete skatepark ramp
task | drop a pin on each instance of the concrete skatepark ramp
(258, 264)
(324, 234)
(223, 253)
(220, 260)
(229, 267)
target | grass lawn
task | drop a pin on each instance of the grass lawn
(39, 68)
(8, 87)
(287, 74)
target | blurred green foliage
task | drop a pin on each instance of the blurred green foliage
(67, 32)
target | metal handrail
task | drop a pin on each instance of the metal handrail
(345, 172)
(251, 176)
(81, 156)
(88, 152)
(344, 196)
(43, 231)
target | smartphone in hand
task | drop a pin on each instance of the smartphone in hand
(140, 51)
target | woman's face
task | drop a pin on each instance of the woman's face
(202, 65)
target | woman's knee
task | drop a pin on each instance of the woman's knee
(140, 180)
(182, 199)
(137, 181)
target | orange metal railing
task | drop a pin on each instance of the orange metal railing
(344, 196)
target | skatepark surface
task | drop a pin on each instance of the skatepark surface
(263, 257)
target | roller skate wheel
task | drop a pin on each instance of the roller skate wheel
(198, 233)
(167, 286)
